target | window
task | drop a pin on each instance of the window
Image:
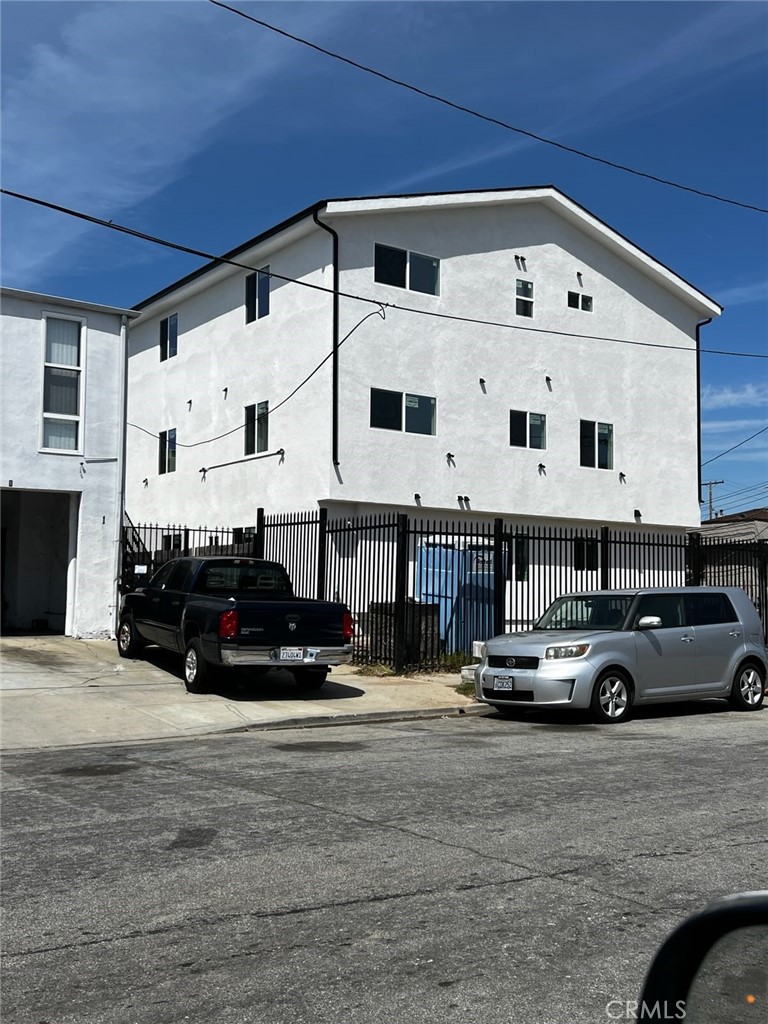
(708, 609)
(596, 441)
(405, 269)
(527, 429)
(575, 300)
(167, 452)
(524, 300)
(257, 295)
(387, 411)
(585, 554)
(250, 430)
(169, 336)
(62, 384)
(243, 534)
(667, 607)
(262, 426)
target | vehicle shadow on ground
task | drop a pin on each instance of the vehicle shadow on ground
(240, 684)
(583, 721)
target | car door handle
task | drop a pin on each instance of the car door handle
(734, 632)
(686, 639)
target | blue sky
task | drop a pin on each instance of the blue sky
(184, 121)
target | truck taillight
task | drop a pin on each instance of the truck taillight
(348, 627)
(229, 624)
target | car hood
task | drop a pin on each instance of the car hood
(536, 641)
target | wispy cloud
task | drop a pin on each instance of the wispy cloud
(728, 396)
(740, 295)
(731, 426)
(107, 110)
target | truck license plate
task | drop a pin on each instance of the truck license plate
(504, 683)
(291, 654)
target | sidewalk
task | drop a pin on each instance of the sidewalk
(57, 691)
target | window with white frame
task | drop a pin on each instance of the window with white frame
(387, 411)
(596, 444)
(578, 301)
(404, 269)
(257, 287)
(527, 429)
(62, 385)
(169, 336)
(167, 451)
(524, 298)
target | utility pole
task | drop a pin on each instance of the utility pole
(710, 484)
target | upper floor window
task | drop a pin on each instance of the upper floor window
(387, 411)
(578, 301)
(169, 336)
(527, 429)
(524, 298)
(405, 269)
(62, 384)
(167, 451)
(257, 295)
(256, 428)
(596, 444)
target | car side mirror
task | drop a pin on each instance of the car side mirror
(712, 968)
(649, 622)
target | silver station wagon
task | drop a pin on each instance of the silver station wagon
(612, 650)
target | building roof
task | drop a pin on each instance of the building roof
(752, 515)
(548, 195)
(59, 300)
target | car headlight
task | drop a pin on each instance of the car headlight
(567, 651)
(479, 649)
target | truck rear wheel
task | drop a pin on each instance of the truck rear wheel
(195, 667)
(310, 678)
(129, 643)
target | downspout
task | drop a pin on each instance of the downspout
(335, 359)
(121, 455)
(703, 323)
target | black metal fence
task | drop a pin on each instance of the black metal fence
(422, 590)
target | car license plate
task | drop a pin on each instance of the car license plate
(291, 654)
(504, 683)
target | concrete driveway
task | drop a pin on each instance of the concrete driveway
(57, 691)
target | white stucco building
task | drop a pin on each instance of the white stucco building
(531, 362)
(63, 402)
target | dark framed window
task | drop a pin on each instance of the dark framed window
(249, 446)
(257, 289)
(576, 300)
(386, 409)
(419, 414)
(527, 429)
(524, 298)
(596, 444)
(167, 451)
(708, 609)
(169, 337)
(404, 269)
(262, 426)
(667, 607)
(585, 555)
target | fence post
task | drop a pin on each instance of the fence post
(322, 539)
(185, 549)
(605, 558)
(258, 540)
(693, 560)
(499, 580)
(401, 574)
(762, 584)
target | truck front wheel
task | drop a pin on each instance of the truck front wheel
(310, 678)
(195, 667)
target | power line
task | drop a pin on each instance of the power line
(732, 449)
(745, 490)
(486, 117)
(178, 247)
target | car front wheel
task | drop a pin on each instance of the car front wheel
(612, 698)
(195, 667)
(129, 643)
(748, 690)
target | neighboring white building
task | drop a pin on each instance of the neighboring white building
(63, 402)
(578, 402)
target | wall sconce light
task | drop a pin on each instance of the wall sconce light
(465, 499)
(145, 481)
(449, 456)
(459, 497)
(638, 515)
(189, 403)
(225, 390)
(549, 382)
(579, 277)
(482, 380)
(542, 468)
(417, 497)
(622, 478)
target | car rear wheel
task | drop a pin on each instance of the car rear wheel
(129, 643)
(310, 678)
(612, 698)
(748, 690)
(195, 668)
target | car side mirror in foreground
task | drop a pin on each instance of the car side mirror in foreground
(649, 622)
(713, 969)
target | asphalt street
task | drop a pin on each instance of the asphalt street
(475, 870)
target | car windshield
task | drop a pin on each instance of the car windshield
(238, 577)
(587, 611)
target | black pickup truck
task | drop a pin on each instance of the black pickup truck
(234, 612)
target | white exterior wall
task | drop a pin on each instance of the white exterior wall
(648, 394)
(75, 494)
(256, 362)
